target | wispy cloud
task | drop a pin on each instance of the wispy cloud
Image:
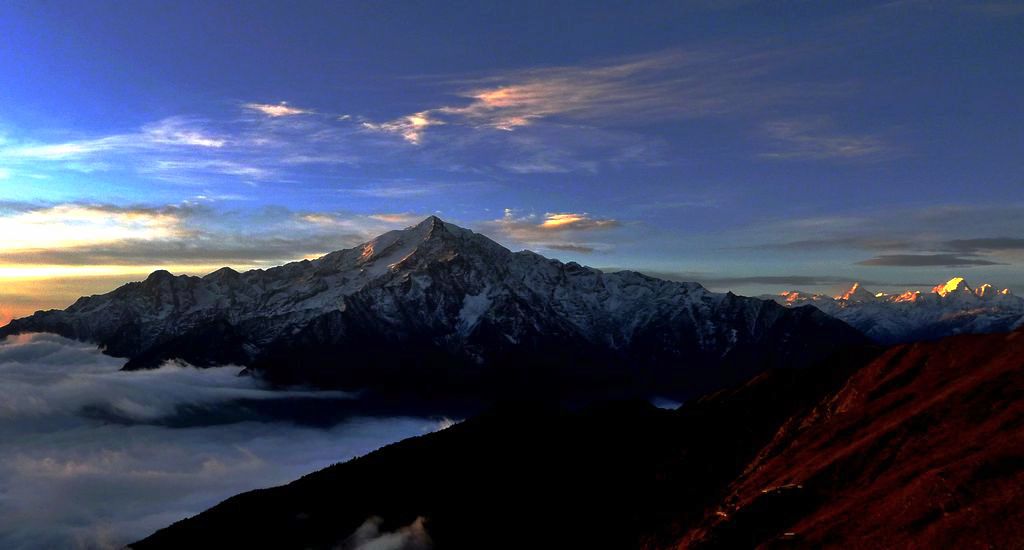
(178, 131)
(904, 236)
(833, 243)
(725, 282)
(987, 244)
(407, 189)
(410, 127)
(674, 84)
(819, 138)
(104, 236)
(403, 218)
(926, 260)
(561, 119)
(566, 231)
(281, 109)
(562, 221)
(181, 170)
(174, 132)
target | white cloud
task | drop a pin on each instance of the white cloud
(94, 457)
(279, 110)
(368, 536)
(165, 135)
(71, 225)
(406, 218)
(410, 127)
(178, 131)
(55, 151)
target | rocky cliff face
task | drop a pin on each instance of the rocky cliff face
(436, 302)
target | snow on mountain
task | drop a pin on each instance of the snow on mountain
(950, 308)
(856, 293)
(439, 302)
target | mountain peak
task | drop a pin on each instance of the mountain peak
(429, 223)
(159, 275)
(855, 293)
(433, 227)
(953, 285)
(429, 240)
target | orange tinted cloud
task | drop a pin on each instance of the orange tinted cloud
(565, 231)
(400, 218)
(568, 220)
(410, 127)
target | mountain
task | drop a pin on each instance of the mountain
(436, 307)
(922, 448)
(950, 308)
(919, 446)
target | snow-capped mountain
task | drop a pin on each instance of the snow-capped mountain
(950, 308)
(439, 304)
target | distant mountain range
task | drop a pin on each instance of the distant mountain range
(950, 308)
(921, 446)
(439, 308)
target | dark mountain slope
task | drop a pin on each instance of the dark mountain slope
(529, 476)
(921, 447)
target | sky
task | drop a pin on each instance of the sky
(750, 146)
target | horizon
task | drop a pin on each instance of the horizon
(839, 288)
(749, 148)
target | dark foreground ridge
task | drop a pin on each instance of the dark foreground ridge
(922, 447)
(439, 309)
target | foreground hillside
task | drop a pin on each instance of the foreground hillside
(922, 446)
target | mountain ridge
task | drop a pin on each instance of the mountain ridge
(430, 304)
(953, 307)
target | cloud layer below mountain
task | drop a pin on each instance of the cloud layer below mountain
(95, 458)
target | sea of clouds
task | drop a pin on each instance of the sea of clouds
(93, 457)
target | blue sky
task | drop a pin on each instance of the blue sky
(755, 146)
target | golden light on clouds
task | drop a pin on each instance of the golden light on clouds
(569, 220)
(37, 272)
(320, 219)
(564, 231)
(500, 97)
(406, 218)
(26, 288)
(275, 111)
(410, 127)
(70, 226)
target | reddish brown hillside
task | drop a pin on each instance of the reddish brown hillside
(922, 448)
